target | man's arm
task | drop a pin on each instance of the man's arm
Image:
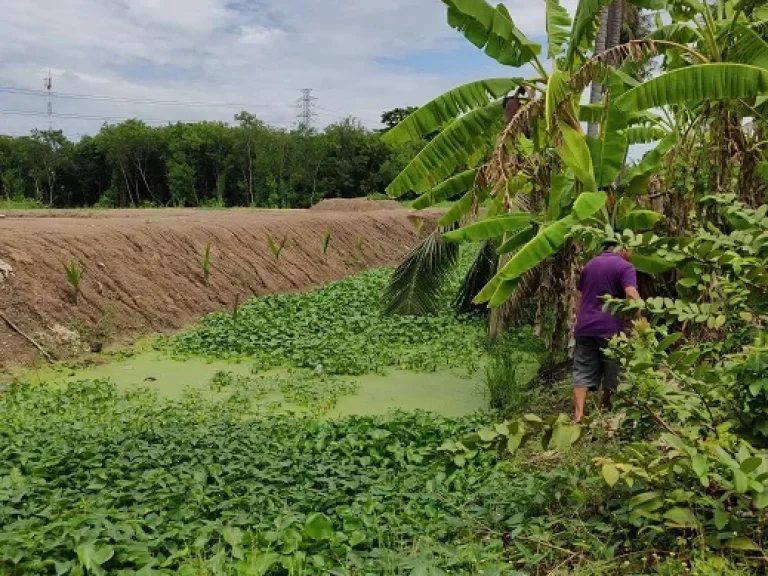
(632, 293)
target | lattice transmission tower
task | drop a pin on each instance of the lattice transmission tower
(306, 109)
(48, 83)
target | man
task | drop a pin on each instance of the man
(611, 274)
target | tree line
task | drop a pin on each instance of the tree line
(248, 163)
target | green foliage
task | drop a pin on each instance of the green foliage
(450, 150)
(200, 164)
(481, 271)
(341, 328)
(20, 203)
(558, 22)
(276, 247)
(444, 109)
(74, 274)
(490, 228)
(326, 241)
(448, 190)
(696, 83)
(416, 285)
(205, 264)
(491, 29)
(513, 364)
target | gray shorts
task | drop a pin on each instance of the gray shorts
(591, 368)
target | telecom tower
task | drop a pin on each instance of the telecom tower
(306, 109)
(48, 82)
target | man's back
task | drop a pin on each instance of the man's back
(607, 274)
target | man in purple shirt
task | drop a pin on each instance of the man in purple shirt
(610, 273)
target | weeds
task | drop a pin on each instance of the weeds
(512, 366)
(205, 265)
(74, 276)
(275, 247)
(235, 311)
(95, 336)
(326, 241)
(419, 225)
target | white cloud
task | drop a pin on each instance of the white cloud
(258, 53)
(258, 35)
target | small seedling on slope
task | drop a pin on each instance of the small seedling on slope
(419, 224)
(275, 247)
(205, 264)
(74, 275)
(326, 241)
(360, 246)
(235, 310)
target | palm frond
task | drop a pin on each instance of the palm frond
(513, 311)
(479, 274)
(415, 286)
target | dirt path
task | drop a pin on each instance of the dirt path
(141, 273)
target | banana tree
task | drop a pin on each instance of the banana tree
(527, 185)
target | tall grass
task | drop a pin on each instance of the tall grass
(205, 264)
(513, 365)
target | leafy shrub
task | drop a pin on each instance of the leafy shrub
(21, 203)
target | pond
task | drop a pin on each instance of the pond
(446, 392)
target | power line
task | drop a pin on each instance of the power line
(72, 116)
(149, 101)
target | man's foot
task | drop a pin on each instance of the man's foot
(579, 401)
(606, 401)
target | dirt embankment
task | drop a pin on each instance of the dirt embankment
(142, 271)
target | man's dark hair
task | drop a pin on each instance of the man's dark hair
(609, 243)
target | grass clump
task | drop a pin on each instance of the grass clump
(74, 274)
(513, 365)
(205, 265)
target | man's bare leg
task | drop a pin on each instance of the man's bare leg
(606, 399)
(579, 401)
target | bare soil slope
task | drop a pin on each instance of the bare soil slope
(141, 269)
(355, 205)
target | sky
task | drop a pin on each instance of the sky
(209, 59)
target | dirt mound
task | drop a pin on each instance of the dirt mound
(355, 205)
(142, 271)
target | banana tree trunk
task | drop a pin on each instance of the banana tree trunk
(596, 92)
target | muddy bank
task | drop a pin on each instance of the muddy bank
(142, 272)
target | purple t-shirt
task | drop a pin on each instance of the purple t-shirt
(609, 274)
